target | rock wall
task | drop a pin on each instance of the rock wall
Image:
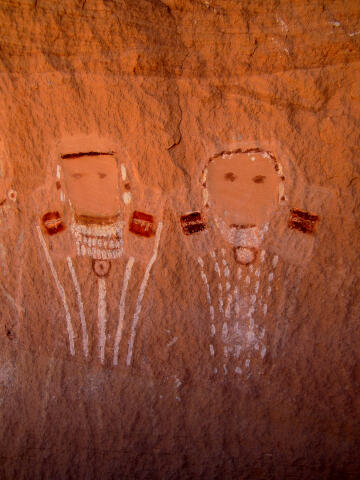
(179, 207)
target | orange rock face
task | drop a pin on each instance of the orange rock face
(179, 210)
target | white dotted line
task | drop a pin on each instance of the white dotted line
(217, 270)
(208, 296)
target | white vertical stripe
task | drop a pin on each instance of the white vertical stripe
(81, 307)
(225, 264)
(237, 301)
(275, 261)
(123, 172)
(205, 196)
(225, 331)
(221, 302)
(126, 197)
(60, 290)
(205, 280)
(217, 270)
(102, 317)
(208, 296)
(141, 294)
(228, 306)
(120, 327)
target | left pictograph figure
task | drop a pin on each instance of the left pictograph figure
(98, 195)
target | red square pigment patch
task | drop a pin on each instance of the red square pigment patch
(53, 223)
(192, 223)
(142, 224)
(303, 221)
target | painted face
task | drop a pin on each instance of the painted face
(243, 189)
(91, 183)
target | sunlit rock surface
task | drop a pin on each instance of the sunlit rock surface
(179, 268)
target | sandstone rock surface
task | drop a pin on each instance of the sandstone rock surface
(152, 325)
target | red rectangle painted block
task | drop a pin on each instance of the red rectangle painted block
(53, 223)
(303, 221)
(192, 223)
(142, 224)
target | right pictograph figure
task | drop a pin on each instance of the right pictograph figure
(243, 197)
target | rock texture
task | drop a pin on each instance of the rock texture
(146, 332)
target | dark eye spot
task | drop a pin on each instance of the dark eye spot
(77, 175)
(101, 175)
(259, 179)
(229, 176)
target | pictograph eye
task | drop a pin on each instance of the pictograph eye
(259, 179)
(230, 176)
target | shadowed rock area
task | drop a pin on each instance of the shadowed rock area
(179, 212)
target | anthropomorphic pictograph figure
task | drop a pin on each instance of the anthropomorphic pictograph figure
(243, 198)
(103, 226)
